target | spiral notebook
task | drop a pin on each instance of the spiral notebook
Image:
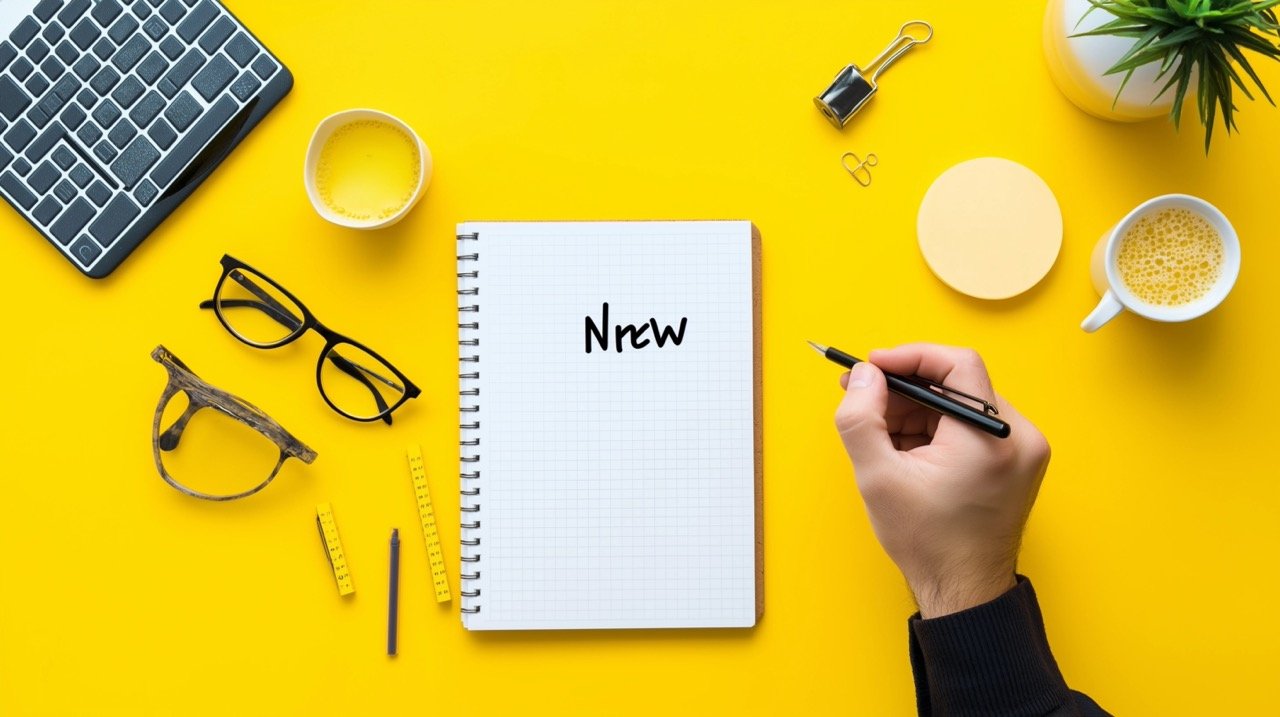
(610, 425)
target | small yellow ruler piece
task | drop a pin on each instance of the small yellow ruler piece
(439, 578)
(333, 548)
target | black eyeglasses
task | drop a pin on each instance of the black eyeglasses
(353, 379)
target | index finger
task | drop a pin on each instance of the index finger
(959, 368)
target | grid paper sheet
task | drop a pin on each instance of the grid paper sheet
(616, 488)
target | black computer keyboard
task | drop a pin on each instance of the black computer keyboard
(111, 111)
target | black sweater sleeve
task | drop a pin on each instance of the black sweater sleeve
(992, 660)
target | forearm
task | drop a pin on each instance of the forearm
(991, 660)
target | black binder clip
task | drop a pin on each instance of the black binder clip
(855, 86)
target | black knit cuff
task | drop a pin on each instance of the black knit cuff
(993, 659)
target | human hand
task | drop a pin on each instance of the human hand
(947, 502)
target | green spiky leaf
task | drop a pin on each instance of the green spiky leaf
(1207, 38)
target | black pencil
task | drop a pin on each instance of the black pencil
(393, 602)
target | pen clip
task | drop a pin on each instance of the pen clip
(987, 407)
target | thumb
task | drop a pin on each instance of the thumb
(860, 419)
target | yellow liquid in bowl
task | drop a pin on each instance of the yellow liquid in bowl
(368, 170)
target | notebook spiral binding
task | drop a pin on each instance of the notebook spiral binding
(469, 409)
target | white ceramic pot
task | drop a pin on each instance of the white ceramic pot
(1079, 64)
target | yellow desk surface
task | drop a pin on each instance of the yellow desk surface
(1152, 545)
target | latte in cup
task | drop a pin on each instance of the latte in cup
(1171, 257)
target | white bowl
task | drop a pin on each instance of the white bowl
(324, 131)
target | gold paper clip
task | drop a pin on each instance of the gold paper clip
(861, 171)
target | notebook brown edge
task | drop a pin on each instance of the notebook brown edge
(758, 401)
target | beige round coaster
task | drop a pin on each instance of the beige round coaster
(990, 228)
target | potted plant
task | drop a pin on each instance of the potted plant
(1131, 60)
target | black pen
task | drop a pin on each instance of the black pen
(926, 393)
(393, 602)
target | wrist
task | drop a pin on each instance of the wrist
(946, 596)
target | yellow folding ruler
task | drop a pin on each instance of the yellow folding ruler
(333, 548)
(439, 578)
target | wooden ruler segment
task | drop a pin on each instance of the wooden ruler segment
(418, 470)
(333, 548)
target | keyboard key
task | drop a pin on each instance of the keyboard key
(89, 134)
(64, 157)
(47, 210)
(123, 28)
(181, 71)
(142, 10)
(134, 162)
(103, 49)
(172, 11)
(72, 221)
(46, 9)
(162, 134)
(17, 191)
(152, 67)
(20, 135)
(113, 220)
(66, 88)
(39, 148)
(67, 52)
(156, 3)
(81, 175)
(85, 251)
(73, 117)
(51, 104)
(104, 81)
(37, 84)
(86, 66)
(52, 68)
(52, 34)
(73, 11)
(84, 33)
(147, 109)
(171, 47)
(215, 76)
(12, 99)
(7, 53)
(106, 114)
(183, 111)
(98, 193)
(105, 151)
(38, 116)
(41, 180)
(122, 133)
(105, 11)
(37, 51)
(21, 166)
(130, 53)
(265, 67)
(244, 87)
(216, 35)
(197, 20)
(128, 92)
(21, 69)
(242, 49)
(87, 98)
(196, 139)
(145, 192)
(5, 157)
(64, 191)
(24, 33)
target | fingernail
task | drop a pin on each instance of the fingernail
(860, 375)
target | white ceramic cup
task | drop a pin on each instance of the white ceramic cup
(325, 130)
(1116, 297)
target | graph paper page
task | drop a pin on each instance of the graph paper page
(617, 484)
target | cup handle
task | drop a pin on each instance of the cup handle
(1107, 309)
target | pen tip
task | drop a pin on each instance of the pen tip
(818, 347)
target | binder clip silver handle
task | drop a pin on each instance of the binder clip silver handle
(855, 86)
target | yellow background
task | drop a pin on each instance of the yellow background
(1152, 546)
